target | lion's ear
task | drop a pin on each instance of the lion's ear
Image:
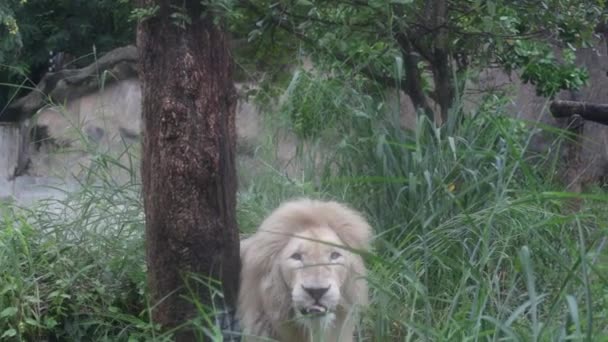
(352, 228)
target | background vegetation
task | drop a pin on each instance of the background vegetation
(32, 30)
(475, 239)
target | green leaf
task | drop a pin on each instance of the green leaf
(7, 288)
(10, 311)
(305, 3)
(9, 333)
(32, 321)
(50, 322)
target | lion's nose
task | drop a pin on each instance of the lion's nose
(316, 292)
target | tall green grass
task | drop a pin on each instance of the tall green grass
(474, 237)
(72, 269)
(473, 240)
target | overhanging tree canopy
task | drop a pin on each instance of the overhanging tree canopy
(425, 47)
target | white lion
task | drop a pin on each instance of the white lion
(298, 281)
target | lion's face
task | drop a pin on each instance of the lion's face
(293, 265)
(314, 269)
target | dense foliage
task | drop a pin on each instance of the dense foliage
(426, 47)
(475, 239)
(34, 29)
(472, 241)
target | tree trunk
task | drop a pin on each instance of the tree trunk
(444, 85)
(188, 174)
(436, 13)
(413, 80)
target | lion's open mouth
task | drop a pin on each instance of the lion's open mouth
(316, 309)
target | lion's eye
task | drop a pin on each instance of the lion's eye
(335, 255)
(296, 256)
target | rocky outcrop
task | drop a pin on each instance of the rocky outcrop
(87, 114)
(62, 142)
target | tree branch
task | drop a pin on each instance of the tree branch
(367, 70)
(67, 84)
(588, 111)
(413, 80)
(411, 84)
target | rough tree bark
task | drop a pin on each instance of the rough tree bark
(188, 174)
(436, 12)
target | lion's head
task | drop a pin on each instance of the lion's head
(314, 271)
(301, 267)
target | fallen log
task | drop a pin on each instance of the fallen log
(588, 111)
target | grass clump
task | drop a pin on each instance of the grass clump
(473, 237)
(73, 269)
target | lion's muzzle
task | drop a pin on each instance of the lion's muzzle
(316, 293)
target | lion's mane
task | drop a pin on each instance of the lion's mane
(264, 301)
